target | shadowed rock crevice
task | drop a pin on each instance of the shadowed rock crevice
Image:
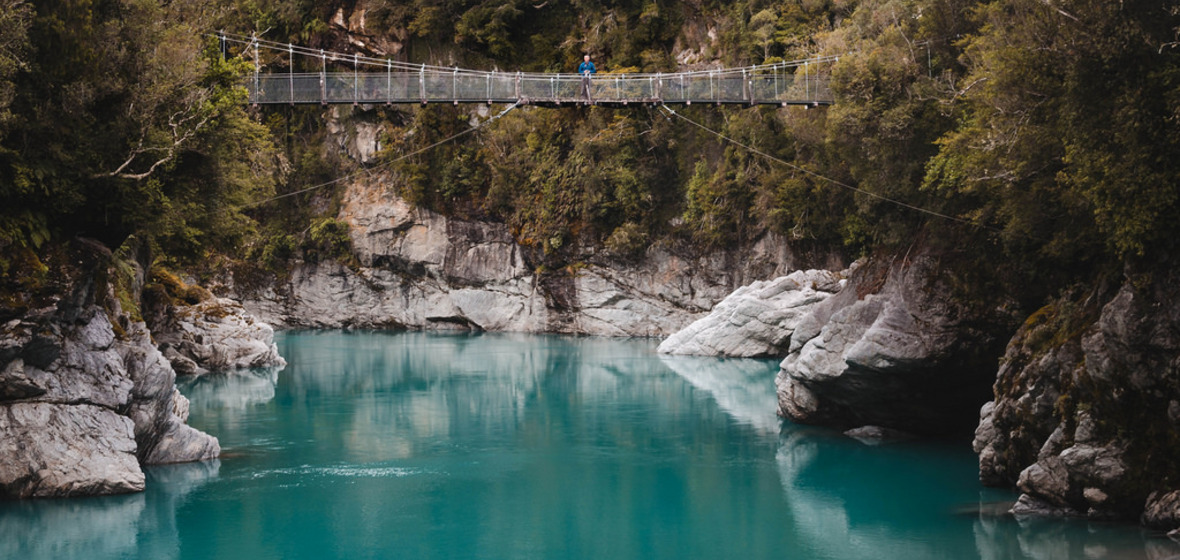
(897, 347)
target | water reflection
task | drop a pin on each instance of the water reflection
(407, 391)
(109, 527)
(233, 391)
(1050, 539)
(850, 497)
(742, 388)
(375, 445)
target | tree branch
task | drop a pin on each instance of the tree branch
(181, 132)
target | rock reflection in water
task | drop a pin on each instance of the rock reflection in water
(744, 389)
(848, 497)
(411, 390)
(1003, 537)
(110, 527)
(232, 391)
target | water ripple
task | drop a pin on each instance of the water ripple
(341, 471)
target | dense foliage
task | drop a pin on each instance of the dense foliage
(123, 119)
(1041, 135)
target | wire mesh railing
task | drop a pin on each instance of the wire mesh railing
(554, 89)
(803, 82)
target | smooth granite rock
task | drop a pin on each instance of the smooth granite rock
(55, 450)
(894, 348)
(756, 320)
(85, 399)
(217, 334)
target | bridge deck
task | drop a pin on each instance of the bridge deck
(464, 86)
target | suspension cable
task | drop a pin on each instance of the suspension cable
(826, 178)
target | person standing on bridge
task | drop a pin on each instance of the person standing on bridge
(585, 69)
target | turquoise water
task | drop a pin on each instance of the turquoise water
(378, 445)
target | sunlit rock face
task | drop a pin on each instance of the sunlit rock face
(1086, 416)
(85, 399)
(756, 320)
(897, 348)
(419, 269)
(217, 334)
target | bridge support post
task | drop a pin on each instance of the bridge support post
(746, 87)
(323, 78)
(422, 84)
(257, 66)
(776, 82)
(291, 73)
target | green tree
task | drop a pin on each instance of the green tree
(129, 122)
(1063, 137)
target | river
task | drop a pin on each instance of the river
(414, 445)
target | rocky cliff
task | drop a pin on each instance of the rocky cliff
(419, 269)
(86, 397)
(1086, 416)
(897, 347)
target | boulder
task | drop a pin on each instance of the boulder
(897, 347)
(55, 450)
(756, 320)
(214, 335)
(876, 435)
(1162, 510)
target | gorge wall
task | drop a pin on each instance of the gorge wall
(908, 342)
(1086, 416)
(86, 398)
(419, 269)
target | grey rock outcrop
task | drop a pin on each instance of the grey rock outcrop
(419, 269)
(1086, 419)
(66, 450)
(894, 348)
(756, 320)
(86, 399)
(217, 334)
(1162, 511)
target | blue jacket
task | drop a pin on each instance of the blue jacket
(587, 67)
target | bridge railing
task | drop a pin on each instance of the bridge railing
(460, 86)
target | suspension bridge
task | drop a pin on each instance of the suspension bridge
(384, 81)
